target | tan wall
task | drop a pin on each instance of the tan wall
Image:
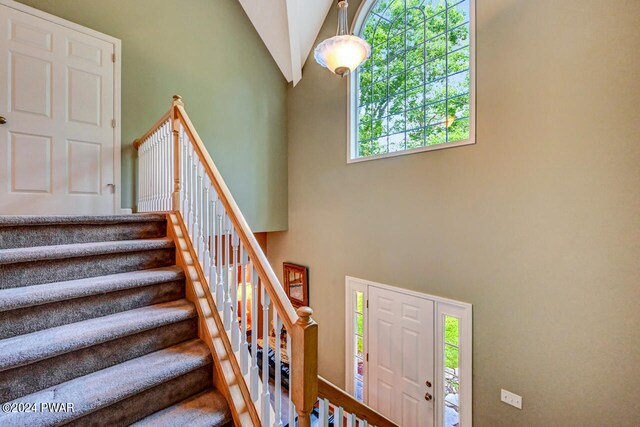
(208, 52)
(537, 225)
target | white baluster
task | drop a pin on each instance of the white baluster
(292, 408)
(219, 264)
(169, 162)
(152, 160)
(160, 167)
(277, 326)
(163, 166)
(266, 396)
(323, 411)
(201, 205)
(227, 279)
(184, 158)
(213, 276)
(190, 171)
(254, 334)
(235, 327)
(338, 416)
(195, 237)
(244, 346)
(351, 420)
(140, 176)
(206, 225)
(156, 168)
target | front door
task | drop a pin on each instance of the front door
(401, 349)
(57, 104)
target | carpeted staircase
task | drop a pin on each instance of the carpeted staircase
(93, 314)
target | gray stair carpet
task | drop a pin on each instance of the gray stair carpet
(94, 327)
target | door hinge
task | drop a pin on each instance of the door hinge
(113, 123)
(367, 357)
(367, 303)
(113, 57)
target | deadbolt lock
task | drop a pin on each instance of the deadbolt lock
(428, 383)
(2, 120)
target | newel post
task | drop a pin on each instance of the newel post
(175, 129)
(305, 365)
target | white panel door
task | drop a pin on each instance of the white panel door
(401, 366)
(57, 96)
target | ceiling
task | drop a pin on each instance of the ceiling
(289, 29)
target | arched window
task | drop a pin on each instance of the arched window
(416, 90)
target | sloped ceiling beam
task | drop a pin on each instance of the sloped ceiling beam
(289, 29)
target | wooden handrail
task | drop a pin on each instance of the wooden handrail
(267, 276)
(166, 116)
(339, 397)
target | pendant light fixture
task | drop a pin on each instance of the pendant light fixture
(342, 53)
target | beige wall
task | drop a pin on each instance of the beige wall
(537, 225)
(208, 52)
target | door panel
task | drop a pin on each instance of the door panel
(57, 94)
(401, 356)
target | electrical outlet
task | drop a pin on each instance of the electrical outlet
(511, 398)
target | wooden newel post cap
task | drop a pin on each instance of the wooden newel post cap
(304, 311)
(304, 314)
(177, 99)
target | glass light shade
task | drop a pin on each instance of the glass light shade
(342, 54)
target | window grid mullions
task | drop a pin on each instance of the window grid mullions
(386, 135)
(426, 18)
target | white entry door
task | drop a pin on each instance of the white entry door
(401, 351)
(57, 145)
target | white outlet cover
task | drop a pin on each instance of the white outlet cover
(511, 398)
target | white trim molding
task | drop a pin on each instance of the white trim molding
(442, 306)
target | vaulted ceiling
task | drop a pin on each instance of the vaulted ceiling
(289, 29)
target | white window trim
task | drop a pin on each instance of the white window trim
(352, 90)
(464, 358)
(442, 306)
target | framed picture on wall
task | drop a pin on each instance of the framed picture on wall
(296, 284)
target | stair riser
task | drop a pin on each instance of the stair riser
(35, 318)
(155, 399)
(40, 272)
(27, 379)
(61, 234)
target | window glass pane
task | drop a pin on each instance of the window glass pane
(359, 324)
(451, 330)
(420, 58)
(359, 368)
(451, 371)
(359, 347)
(359, 390)
(359, 302)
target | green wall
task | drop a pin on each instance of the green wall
(537, 225)
(208, 52)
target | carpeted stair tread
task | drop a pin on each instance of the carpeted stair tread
(207, 409)
(39, 253)
(111, 385)
(31, 220)
(14, 298)
(24, 349)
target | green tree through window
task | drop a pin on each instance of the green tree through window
(414, 89)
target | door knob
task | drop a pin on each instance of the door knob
(427, 397)
(112, 187)
(2, 120)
